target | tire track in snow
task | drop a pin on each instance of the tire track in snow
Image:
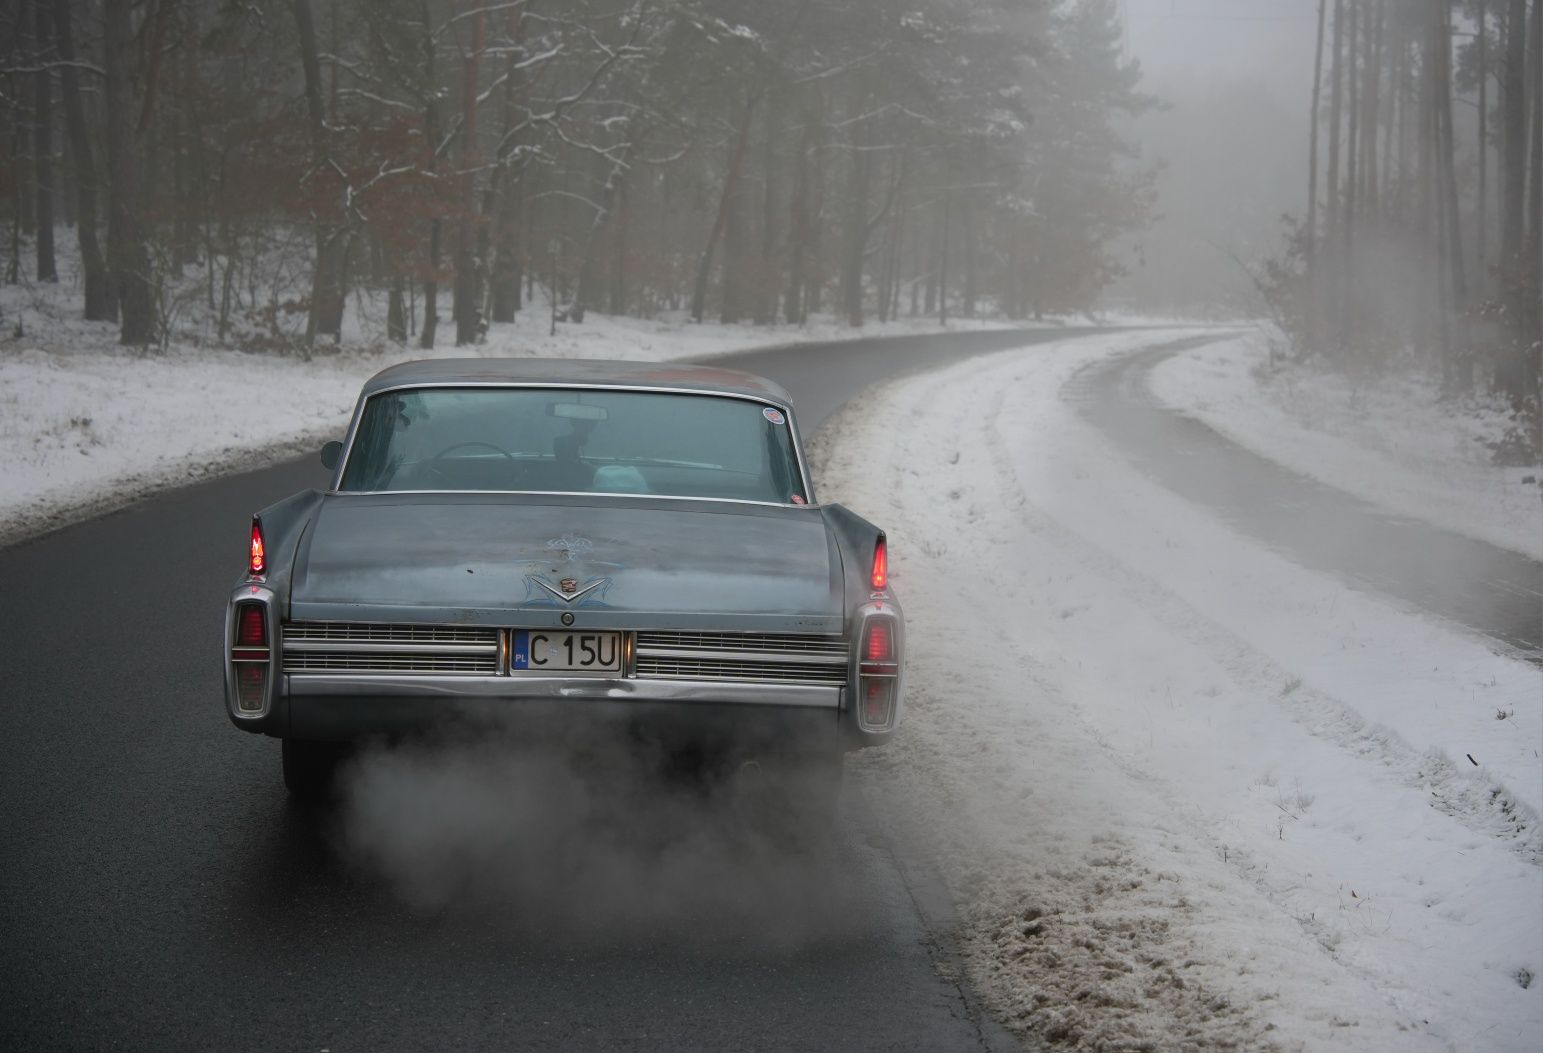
(1487, 589)
(1483, 807)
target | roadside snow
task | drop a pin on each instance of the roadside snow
(1391, 441)
(1188, 794)
(86, 425)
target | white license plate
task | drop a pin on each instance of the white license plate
(538, 650)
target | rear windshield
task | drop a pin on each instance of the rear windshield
(567, 440)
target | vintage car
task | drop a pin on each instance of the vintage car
(566, 543)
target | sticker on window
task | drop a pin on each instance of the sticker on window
(775, 416)
(797, 499)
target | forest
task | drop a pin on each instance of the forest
(440, 164)
(1424, 229)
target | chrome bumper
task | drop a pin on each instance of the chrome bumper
(327, 707)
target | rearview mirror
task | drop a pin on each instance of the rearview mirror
(331, 453)
(577, 411)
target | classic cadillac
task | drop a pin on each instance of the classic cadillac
(539, 542)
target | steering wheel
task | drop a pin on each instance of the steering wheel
(436, 464)
(505, 454)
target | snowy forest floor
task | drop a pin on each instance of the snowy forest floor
(1186, 793)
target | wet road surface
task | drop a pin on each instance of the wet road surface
(159, 892)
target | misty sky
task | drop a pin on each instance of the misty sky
(1270, 41)
(1236, 76)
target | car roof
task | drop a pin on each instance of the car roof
(563, 372)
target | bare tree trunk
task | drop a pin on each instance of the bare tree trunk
(1336, 112)
(43, 140)
(506, 192)
(431, 136)
(856, 228)
(1458, 364)
(1514, 135)
(588, 293)
(725, 199)
(617, 298)
(1481, 220)
(326, 314)
(100, 304)
(1346, 308)
(1312, 148)
(126, 249)
(798, 223)
(466, 304)
(768, 271)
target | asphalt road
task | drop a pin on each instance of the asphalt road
(1491, 591)
(159, 892)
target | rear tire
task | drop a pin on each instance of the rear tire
(310, 769)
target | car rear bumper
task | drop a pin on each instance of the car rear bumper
(747, 716)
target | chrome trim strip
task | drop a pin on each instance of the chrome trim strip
(577, 689)
(769, 657)
(404, 648)
(569, 493)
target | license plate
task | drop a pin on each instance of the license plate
(537, 650)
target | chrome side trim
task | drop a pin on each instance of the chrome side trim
(513, 688)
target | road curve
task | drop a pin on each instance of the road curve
(1490, 590)
(158, 892)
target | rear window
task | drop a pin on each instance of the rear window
(569, 440)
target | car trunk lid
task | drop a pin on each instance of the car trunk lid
(608, 562)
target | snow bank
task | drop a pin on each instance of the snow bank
(1188, 794)
(1392, 441)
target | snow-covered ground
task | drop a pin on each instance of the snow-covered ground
(1391, 440)
(86, 425)
(1187, 793)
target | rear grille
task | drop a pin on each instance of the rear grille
(667, 668)
(352, 633)
(773, 643)
(458, 650)
(767, 658)
(441, 650)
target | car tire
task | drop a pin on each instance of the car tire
(310, 769)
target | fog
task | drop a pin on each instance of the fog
(1235, 79)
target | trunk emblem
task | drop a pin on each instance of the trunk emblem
(569, 585)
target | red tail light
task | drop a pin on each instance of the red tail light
(880, 576)
(251, 656)
(259, 560)
(881, 647)
(252, 627)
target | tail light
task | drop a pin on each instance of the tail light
(880, 646)
(880, 575)
(250, 657)
(878, 680)
(258, 564)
